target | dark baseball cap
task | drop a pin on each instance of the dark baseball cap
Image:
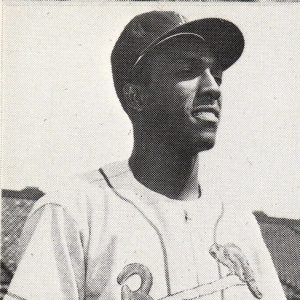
(148, 30)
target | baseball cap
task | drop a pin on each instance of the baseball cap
(148, 30)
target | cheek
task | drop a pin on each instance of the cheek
(187, 87)
(185, 92)
(173, 96)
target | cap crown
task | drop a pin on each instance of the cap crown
(138, 34)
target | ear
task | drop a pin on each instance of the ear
(134, 97)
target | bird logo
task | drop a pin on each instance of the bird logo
(234, 259)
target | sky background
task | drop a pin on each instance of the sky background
(61, 116)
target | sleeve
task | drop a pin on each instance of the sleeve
(52, 262)
(269, 282)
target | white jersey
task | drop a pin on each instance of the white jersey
(77, 241)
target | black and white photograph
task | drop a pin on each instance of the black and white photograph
(150, 150)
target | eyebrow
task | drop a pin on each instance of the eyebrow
(210, 62)
(202, 59)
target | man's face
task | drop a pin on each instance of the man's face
(184, 97)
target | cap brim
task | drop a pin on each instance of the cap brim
(224, 38)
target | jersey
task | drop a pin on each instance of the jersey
(80, 240)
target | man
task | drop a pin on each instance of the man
(148, 216)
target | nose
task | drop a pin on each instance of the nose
(208, 89)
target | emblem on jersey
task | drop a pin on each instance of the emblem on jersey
(234, 259)
(146, 282)
(239, 276)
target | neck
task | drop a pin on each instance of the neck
(160, 168)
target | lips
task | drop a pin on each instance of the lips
(206, 113)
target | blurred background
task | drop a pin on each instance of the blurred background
(61, 116)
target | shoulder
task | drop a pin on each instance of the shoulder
(239, 221)
(83, 195)
(239, 212)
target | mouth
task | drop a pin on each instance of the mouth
(206, 113)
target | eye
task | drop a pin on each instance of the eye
(187, 72)
(184, 73)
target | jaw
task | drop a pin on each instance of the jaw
(204, 145)
(203, 139)
(182, 132)
(194, 145)
(200, 132)
(207, 140)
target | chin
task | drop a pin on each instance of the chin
(194, 143)
(207, 145)
(205, 142)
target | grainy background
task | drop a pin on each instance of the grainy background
(61, 116)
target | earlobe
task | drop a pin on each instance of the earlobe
(133, 96)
